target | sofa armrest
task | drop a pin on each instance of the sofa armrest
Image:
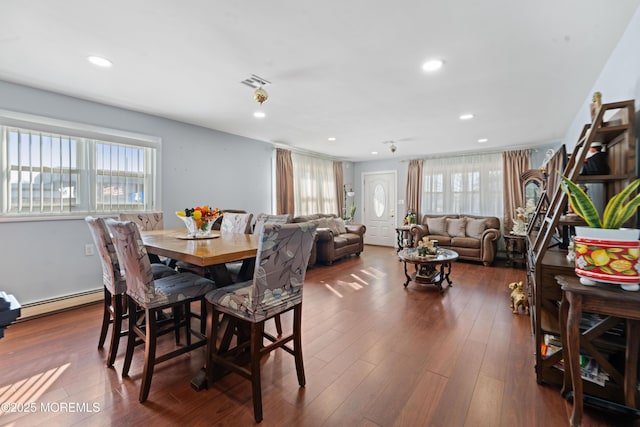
(419, 231)
(356, 228)
(489, 245)
(324, 234)
(491, 234)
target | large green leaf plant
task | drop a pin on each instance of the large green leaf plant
(619, 209)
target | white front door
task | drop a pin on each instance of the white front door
(380, 207)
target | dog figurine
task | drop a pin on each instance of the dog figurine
(518, 297)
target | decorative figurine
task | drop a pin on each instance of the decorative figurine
(518, 298)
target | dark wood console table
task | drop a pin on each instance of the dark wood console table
(614, 304)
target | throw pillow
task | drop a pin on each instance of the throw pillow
(341, 227)
(456, 227)
(475, 227)
(437, 226)
(332, 224)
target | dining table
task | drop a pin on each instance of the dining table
(211, 251)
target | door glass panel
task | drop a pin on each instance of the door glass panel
(379, 200)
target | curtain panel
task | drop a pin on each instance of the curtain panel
(341, 192)
(514, 164)
(315, 185)
(413, 194)
(463, 185)
(284, 182)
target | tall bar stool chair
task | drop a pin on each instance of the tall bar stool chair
(147, 221)
(151, 296)
(114, 286)
(281, 264)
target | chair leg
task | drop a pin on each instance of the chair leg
(297, 343)
(149, 354)
(278, 325)
(177, 317)
(106, 318)
(187, 322)
(131, 336)
(256, 387)
(203, 316)
(116, 330)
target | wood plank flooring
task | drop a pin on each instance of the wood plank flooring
(375, 353)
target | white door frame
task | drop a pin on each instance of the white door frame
(392, 242)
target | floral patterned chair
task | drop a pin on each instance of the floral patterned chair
(114, 286)
(281, 264)
(236, 223)
(147, 221)
(149, 297)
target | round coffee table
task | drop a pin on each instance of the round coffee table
(430, 269)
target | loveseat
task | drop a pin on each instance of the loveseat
(473, 237)
(335, 239)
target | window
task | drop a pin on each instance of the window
(463, 185)
(314, 185)
(53, 173)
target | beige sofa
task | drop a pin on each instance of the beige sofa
(335, 239)
(473, 237)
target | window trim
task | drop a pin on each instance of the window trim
(80, 130)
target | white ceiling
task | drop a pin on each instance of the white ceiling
(344, 69)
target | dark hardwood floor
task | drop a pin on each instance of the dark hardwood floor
(375, 353)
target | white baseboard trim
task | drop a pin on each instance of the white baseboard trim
(54, 305)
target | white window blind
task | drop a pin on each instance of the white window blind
(50, 173)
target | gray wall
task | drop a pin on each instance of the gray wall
(619, 79)
(45, 259)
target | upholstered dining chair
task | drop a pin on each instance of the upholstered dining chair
(151, 296)
(262, 219)
(281, 264)
(236, 223)
(114, 286)
(147, 221)
(265, 218)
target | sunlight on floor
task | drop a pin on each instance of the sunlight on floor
(359, 281)
(355, 276)
(328, 286)
(30, 389)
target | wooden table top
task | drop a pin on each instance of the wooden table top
(202, 252)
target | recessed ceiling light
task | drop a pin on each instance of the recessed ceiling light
(466, 116)
(432, 65)
(259, 115)
(100, 61)
(331, 138)
(374, 152)
(482, 140)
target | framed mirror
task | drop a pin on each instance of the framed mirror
(533, 182)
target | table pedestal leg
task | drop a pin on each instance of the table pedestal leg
(406, 274)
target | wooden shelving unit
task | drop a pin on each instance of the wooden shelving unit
(613, 127)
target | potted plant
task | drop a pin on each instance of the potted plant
(605, 252)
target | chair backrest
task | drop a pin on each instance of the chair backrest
(111, 276)
(264, 218)
(281, 265)
(134, 259)
(147, 221)
(236, 223)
